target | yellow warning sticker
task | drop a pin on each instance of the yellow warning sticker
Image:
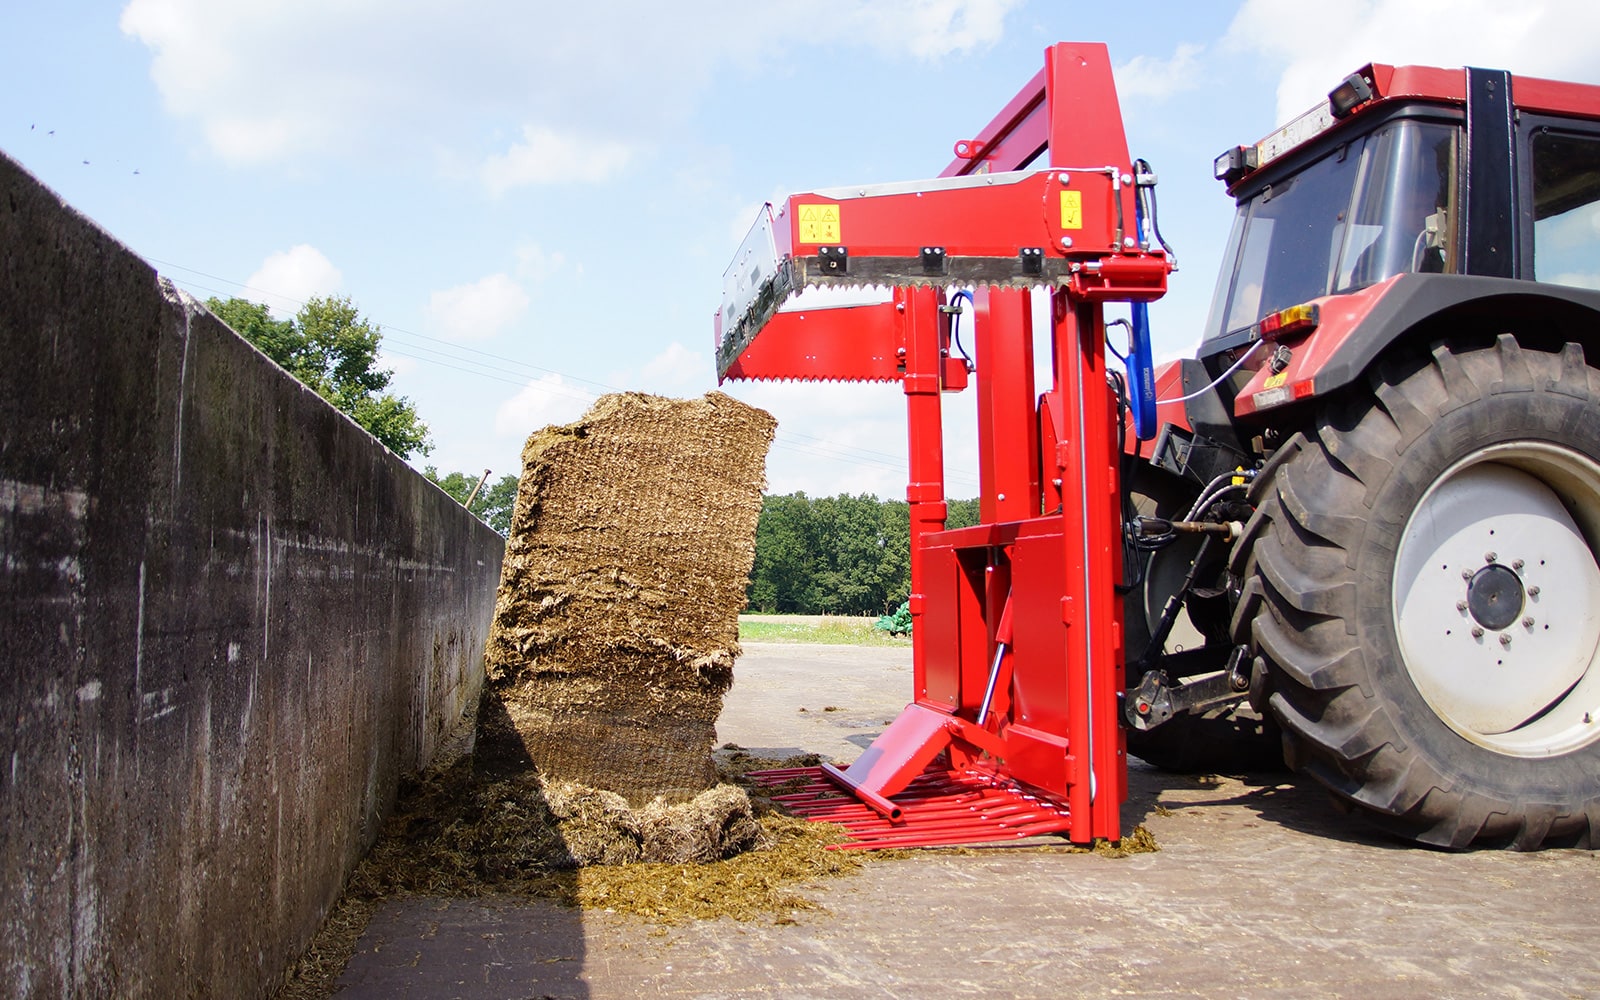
(1072, 210)
(819, 224)
(1273, 381)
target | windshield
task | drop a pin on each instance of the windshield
(1372, 208)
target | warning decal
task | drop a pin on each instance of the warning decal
(1273, 381)
(819, 223)
(1072, 210)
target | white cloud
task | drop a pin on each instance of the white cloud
(1548, 38)
(535, 264)
(545, 156)
(1158, 79)
(479, 310)
(223, 64)
(302, 81)
(549, 399)
(675, 369)
(285, 280)
(928, 28)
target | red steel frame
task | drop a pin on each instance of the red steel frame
(1029, 594)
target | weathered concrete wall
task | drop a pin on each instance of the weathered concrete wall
(229, 621)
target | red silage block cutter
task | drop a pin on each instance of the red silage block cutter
(1013, 729)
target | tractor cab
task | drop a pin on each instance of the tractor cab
(1405, 174)
(1337, 217)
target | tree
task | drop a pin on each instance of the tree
(332, 349)
(836, 555)
(499, 500)
(492, 505)
(781, 579)
(856, 566)
(961, 513)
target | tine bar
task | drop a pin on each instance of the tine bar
(940, 807)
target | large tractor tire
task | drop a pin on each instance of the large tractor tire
(1420, 584)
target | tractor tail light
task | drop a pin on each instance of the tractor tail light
(1280, 394)
(1288, 322)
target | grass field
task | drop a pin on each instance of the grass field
(816, 628)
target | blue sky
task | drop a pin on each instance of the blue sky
(536, 201)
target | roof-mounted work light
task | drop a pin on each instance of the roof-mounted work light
(1235, 163)
(1355, 91)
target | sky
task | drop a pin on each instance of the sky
(536, 201)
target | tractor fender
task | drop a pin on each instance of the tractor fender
(1412, 309)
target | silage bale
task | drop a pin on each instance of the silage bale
(616, 626)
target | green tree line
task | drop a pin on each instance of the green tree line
(843, 555)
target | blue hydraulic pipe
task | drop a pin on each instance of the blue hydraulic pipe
(1141, 374)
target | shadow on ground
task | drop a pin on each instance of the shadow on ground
(468, 893)
(1279, 797)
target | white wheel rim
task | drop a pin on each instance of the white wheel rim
(1496, 597)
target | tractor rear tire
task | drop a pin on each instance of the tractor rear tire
(1391, 592)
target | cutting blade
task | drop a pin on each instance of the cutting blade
(763, 287)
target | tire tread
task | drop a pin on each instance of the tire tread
(1316, 508)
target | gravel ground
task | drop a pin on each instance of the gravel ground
(1261, 889)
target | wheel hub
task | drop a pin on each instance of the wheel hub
(1494, 597)
(1495, 593)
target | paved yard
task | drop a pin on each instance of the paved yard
(1261, 889)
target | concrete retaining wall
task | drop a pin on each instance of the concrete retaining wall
(229, 621)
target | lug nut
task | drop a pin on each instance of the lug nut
(1489, 557)
(1466, 574)
(1477, 632)
(1527, 622)
(1461, 605)
(1533, 591)
(1517, 565)
(1505, 640)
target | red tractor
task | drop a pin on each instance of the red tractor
(1362, 525)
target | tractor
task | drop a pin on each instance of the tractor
(1358, 531)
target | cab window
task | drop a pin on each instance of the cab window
(1566, 208)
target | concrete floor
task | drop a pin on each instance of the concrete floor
(1260, 890)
